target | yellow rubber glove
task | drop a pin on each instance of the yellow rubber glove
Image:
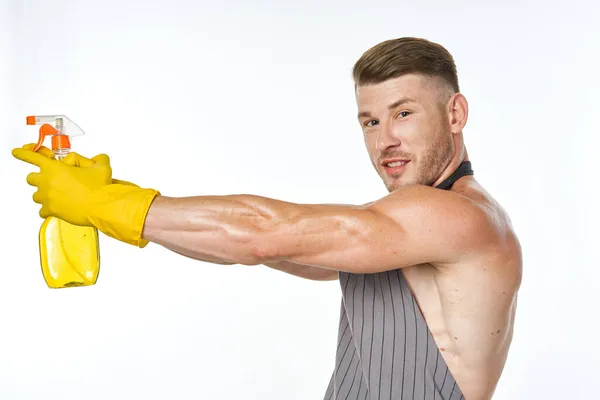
(71, 160)
(81, 191)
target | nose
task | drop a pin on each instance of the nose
(387, 137)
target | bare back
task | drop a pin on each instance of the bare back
(470, 306)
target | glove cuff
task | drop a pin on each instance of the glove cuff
(120, 210)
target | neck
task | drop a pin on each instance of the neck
(456, 160)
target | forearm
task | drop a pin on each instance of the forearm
(253, 230)
(219, 229)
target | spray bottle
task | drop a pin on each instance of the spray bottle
(69, 254)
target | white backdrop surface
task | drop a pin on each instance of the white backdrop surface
(199, 97)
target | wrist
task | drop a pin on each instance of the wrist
(119, 211)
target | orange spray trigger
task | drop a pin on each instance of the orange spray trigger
(61, 128)
(48, 130)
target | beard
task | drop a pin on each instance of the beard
(430, 165)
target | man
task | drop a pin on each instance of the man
(429, 273)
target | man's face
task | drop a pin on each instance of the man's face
(406, 129)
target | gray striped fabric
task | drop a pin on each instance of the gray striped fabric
(385, 349)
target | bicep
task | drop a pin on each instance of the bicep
(411, 227)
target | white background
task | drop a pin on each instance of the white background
(205, 97)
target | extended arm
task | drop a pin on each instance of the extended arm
(408, 227)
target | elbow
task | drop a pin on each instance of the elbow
(257, 255)
(245, 249)
(251, 239)
(259, 250)
(268, 243)
(265, 247)
(249, 251)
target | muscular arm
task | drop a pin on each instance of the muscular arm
(408, 227)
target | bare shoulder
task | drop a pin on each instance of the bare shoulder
(458, 224)
(411, 226)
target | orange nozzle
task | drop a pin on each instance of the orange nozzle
(31, 120)
(59, 141)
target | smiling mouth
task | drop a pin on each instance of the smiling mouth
(394, 166)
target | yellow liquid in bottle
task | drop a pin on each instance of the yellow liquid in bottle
(69, 254)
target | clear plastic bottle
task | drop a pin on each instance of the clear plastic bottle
(69, 254)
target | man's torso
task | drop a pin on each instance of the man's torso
(430, 332)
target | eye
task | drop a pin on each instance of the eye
(404, 114)
(374, 121)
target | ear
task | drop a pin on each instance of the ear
(458, 112)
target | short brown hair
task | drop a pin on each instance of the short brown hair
(396, 57)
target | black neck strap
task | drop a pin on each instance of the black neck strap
(463, 169)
